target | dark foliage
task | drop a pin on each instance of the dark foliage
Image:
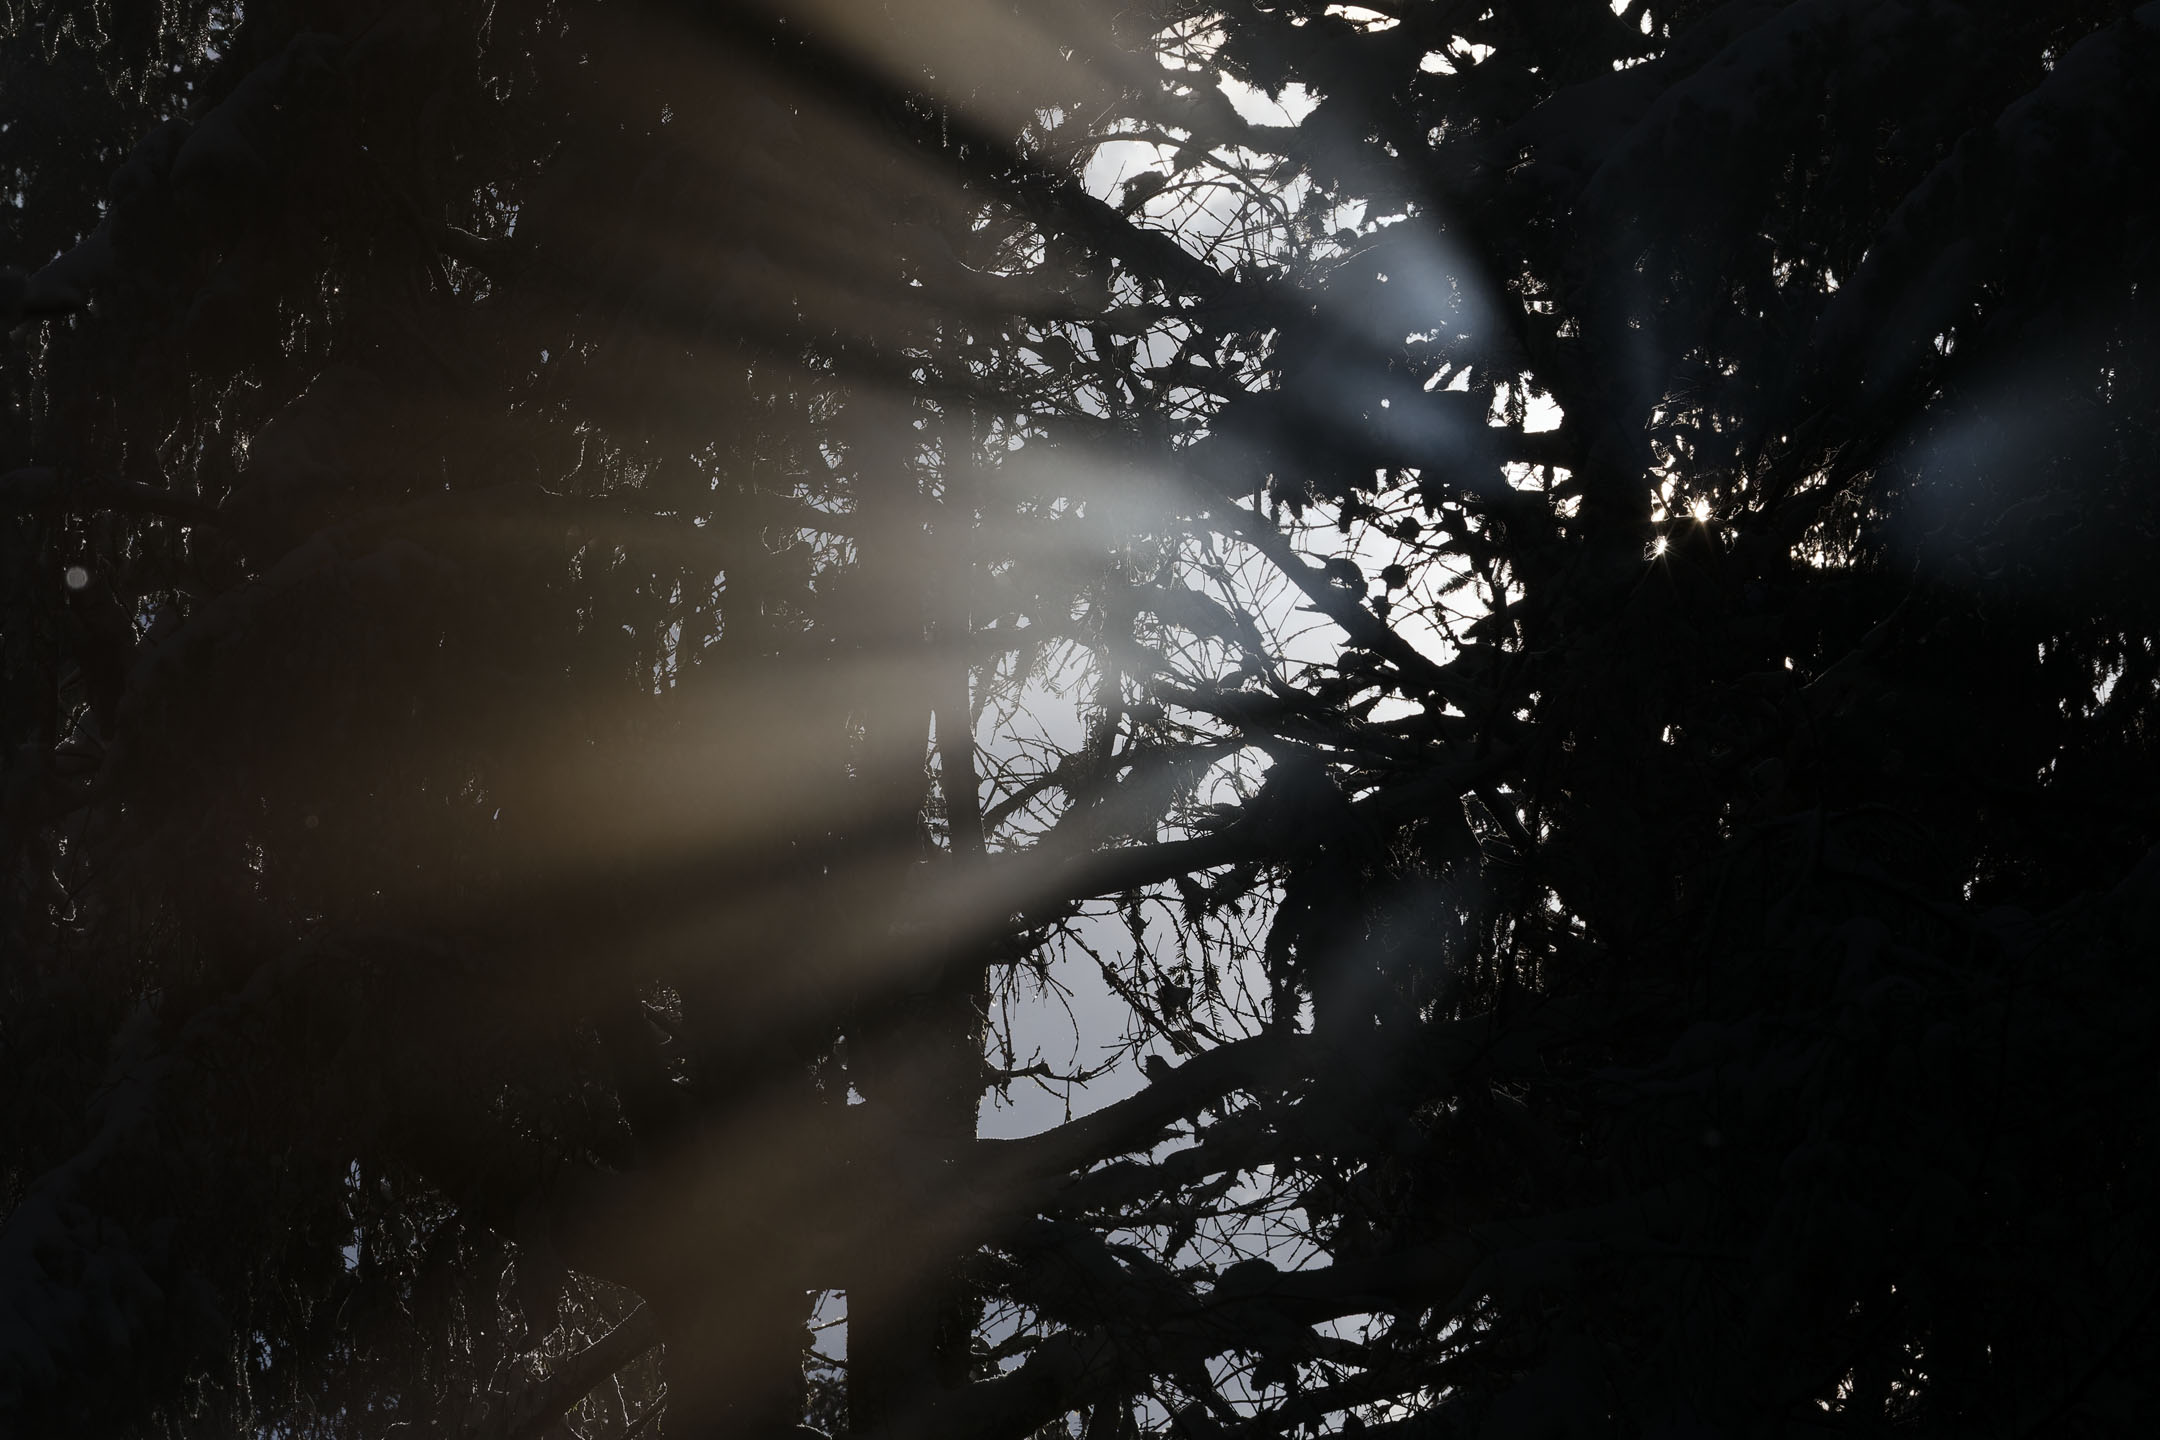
(593, 597)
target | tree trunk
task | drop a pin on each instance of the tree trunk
(734, 1364)
(911, 1314)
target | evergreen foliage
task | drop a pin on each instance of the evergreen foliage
(1557, 599)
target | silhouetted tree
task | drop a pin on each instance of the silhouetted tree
(592, 594)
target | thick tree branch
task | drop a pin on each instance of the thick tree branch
(529, 1414)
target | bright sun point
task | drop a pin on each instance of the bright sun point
(1700, 509)
(1659, 546)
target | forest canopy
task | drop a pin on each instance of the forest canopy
(990, 719)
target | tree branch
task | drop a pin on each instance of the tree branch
(528, 1414)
